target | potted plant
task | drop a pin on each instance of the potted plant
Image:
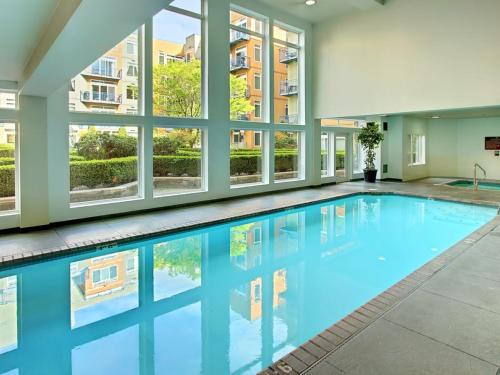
(369, 138)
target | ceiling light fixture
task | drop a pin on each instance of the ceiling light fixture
(435, 117)
(310, 2)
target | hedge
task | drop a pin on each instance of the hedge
(7, 180)
(103, 173)
(7, 161)
(7, 150)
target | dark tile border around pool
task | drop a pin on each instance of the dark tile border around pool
(29, 256)
(315, 350)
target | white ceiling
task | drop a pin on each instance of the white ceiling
(22, 22)
(323, 10)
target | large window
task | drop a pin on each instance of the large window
(178, 61)
(103, 162)
(7, 166)
(177, 161)
(287, 76)
(105, 85)
(247, 99)
(326, 152)
(417, 149)
(288, 155)
(247, 157)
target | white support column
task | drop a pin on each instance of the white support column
(33, 161)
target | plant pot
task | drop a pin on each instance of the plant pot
(370, 175)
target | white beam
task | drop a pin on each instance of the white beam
(80, 32)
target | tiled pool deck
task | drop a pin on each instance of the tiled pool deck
(442, 319)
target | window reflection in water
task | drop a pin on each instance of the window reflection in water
(103, 286)
(117, 353)
(246, 245)
(288, 230)
(8, 314)
(175, 334)
(245, 328)
(177, 266)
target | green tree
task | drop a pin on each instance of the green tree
(177, 91)
(180, 257)
(239, 103)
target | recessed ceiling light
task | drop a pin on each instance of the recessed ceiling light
(435, 117)
(310, 2)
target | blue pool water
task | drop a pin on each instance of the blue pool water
(225, 299)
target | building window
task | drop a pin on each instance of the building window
(103, 82)
(257, 81)
(258, 53)
(288, 155)
(161, 58)
(417, 149)
(178, 161)
(246, 38)
(246, 157)
(131, 48)
(132, 93)
(103, 162)
(132, 70)
(178, 39)
(287, 75)
(8, 100)
(7, 167)
(257, 110)
(325, 154)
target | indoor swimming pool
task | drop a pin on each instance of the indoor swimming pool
(224, 299)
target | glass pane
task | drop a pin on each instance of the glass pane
(177, 73)
(102, 86)
(101, 287)
(7, 100)
(344, 123)
(246, 77)
(7, 166)
(286, 85)
(242, 20)
(246, 245)
(191, 5)
(286, 35)
(246, 156)
(103, 162)
(8, 314)
(177, 161)
(287, 156)
(340, 149)
(358, 155)
(177, 266)
(325, 150)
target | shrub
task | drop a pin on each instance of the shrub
(7, 161)
(99, 146)
(7, 180)
(176, 165)
(245, 164)
(76, 158)
(7, 150)
(166, 145)
(103, 173)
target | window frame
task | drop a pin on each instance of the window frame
(17, 179)
(417, 151)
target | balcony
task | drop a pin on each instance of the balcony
(238, 36)
(289, 119)
(289, 87)
(96, 72)
(100, 97)
(288, 55)
(240, 62)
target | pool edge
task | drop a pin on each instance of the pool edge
(30, 256)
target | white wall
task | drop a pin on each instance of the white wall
(406, 56)
(455, 145)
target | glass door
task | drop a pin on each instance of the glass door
(341, 157)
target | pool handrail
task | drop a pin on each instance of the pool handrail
(476, 181)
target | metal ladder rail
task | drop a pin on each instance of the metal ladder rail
(476, 180)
